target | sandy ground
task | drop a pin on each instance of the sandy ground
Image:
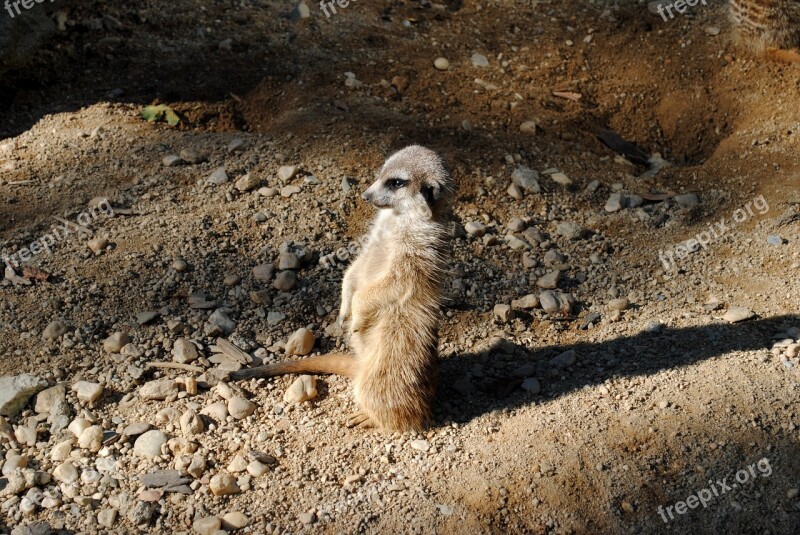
(662, 399)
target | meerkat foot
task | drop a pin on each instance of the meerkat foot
(360, 419)
(786, 56)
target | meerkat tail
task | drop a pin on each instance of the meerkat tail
(785, 56)
(332, 363)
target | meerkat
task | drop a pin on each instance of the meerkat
(769, 27)
(391, 296)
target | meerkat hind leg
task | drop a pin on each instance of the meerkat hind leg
(360, 419)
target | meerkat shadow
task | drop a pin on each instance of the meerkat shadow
(501, 375)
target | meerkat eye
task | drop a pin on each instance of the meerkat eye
(396, 183)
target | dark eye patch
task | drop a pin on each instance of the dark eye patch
(396, 183)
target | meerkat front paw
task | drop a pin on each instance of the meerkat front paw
(360, 419)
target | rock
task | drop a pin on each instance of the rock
(15, 391)
(240, 408)
(191, 423)
(526, 178)
(565, 359)
(143, 318)
(274, 317)
(149, 444)
(553, 258)
(531, 385)
(687, 199)
(441, 64)
(570, 230)
(479, 60)
(13, 463)
(737, 314)
(184, 351)
(237, 465)
(618, 304)
(180, 265)
(288, 191)
(420, 445)
(235, 520)
(712, 30)
(209, 525)
(107, 517)
(301, 342)
(135, 429)
(140, 513)
(515, 192)
(223, 484)
(475, 229)
(171, 160)
(257, 469)
(260, 297)
(61, 451)
(525, 303)
(115, 342)
(192, 157)
(97, 245)
(515, 243)
(307, 518)
(25, 435)
(247, 182)
(219, 322)
(66, 473)
(236, 145)
(218, 411)
(287, 172)
(263, 272)
(614, 203)
(285, 281)
(503, 312)
(561, 178)
(49, 398)
(515, 224)
(87, 392)
(528, 127)
(54, 330)
(549, 281)
(218, 177)
(302, 389)
(774, 239)
(91, 439)
(556, 302)
(162, 478)
(159, 389)
(78, 426)
(288, 260)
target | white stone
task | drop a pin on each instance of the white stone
(302, 389)
(301, 342)
(87, 392)
(91, 439)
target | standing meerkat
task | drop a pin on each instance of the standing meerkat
(391, 296)
(770, 27)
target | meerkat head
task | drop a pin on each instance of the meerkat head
(413, 179)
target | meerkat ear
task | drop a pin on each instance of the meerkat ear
(432, 193)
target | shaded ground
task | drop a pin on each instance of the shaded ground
(663, 397)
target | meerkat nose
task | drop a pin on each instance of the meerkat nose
(366, 196)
